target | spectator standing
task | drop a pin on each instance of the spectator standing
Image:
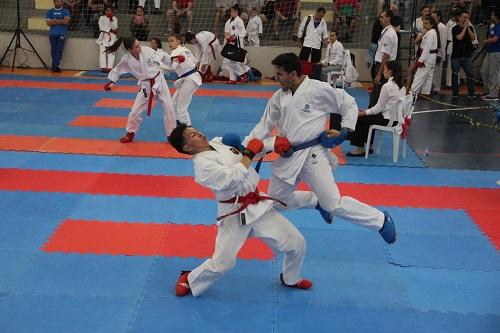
(139, 25)
(387, 49)
(345, 13)
(180, 9)
(312, 31)
(418, 25)
(286, 13)
(443, 36)
(334, 56)
(490, 70)
(449, 45)
(57, 19)
(222, 8)
(254, 28)
(234, 32)
(108, 29)
(372, 49)
(247, 6)
(156, 11)
(463, 35)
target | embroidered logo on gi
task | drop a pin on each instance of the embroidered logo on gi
(306, 108)
(234, 150)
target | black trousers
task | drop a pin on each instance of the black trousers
(376, 87)
(315, 54)
(359, 137)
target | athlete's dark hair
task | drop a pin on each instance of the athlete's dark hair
(176, 138)
(289, 61)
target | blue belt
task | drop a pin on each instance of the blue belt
(194, 70)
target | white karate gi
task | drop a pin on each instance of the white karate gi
(423, 75)
(106, 38)
(438, 69)
(185, 87)
(221, 171)
(301, 117)
(230, 68)
(145, 69)
(254, 28)
(207, 47)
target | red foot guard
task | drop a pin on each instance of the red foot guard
(182, 286)
(129, 137)
(302, 284)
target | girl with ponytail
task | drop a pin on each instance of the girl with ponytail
(144, 64)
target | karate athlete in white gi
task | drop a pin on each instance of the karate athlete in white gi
(299, 111)
(243, 211)
(426, 62)
(184, 65)
(108, 26)
(206, 50)
(234, 31)
(254, 28)
(144, 64)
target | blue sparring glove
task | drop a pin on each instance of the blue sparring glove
(333, 142)
(233, 140)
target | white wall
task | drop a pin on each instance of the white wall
(82, 54)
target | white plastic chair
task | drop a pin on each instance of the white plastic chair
(332, 75)
(404, 109)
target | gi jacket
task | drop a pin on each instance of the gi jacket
(221, 171)
(302, 117)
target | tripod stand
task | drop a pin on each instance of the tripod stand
(17, 37)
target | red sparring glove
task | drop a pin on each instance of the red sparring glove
(180, 58)
(281, 145)
(419, 64)
(254, 147)
(108, 85)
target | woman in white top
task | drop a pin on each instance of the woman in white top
(108, 27)
(144, 64)
(382, 112)
(184, 64)
(334, 56)
(234, 31)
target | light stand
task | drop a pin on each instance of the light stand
(17, 37)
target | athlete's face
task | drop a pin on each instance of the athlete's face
(427, 25)
(194, 141)
(387, 73)
(136, 48)
(58, 3)
(283, 78)
(173, 42)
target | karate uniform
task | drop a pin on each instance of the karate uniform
(186, 85)
(423, 75)
(230, 68)
(438, 69)
(147, 71)
(334, 59)
(301, 117)
(221, 171)
(207, 47)
(106, 38)
(254, 28)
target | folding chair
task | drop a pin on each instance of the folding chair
(402, 116)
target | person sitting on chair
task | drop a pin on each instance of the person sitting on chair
(334, 56)
(382, 112)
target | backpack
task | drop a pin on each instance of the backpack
(254, 74)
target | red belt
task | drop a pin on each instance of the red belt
(150, 97)
(250, 199)
(210, 44)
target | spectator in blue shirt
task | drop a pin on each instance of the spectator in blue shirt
(57, 19)
(490, 69)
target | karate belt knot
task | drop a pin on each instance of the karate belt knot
(246, 200)
(151, 95)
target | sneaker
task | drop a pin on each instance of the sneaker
(471, 97)
(388, 230)
(182, 286)
(301, 284)
(129, 137)
(489, 98)
(326, 215)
